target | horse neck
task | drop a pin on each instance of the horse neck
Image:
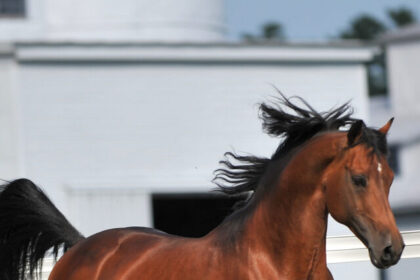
(289, 222)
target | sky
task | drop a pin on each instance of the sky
(306, 20)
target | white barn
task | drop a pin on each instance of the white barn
(94, 121)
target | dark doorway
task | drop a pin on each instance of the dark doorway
(191, 215)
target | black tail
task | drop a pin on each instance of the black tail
(30, 225)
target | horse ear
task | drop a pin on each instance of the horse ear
(385, 128)
(355, 132)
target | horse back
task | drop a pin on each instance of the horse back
(109, 254)
(143, 253)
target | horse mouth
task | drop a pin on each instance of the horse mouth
(383, 259)
(383, 262)
(379, 263)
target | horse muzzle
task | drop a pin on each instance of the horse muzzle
(386, 254)
(385, 248)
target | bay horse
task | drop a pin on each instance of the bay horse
(319, 168)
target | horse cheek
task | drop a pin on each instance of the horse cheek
(336, 199)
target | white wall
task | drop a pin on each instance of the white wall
(403, 62)
(405, 191)
(137, 129)
(156, 126)
(10, 153)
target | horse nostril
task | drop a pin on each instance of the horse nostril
(388, 253)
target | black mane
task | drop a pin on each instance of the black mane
(295, 125)
(300, 124)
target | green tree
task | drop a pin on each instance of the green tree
(367, 27)
(269, 31)
(272, 30)
(364, 27)
(401, 16)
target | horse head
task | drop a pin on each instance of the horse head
(357, 184)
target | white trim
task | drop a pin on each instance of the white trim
(191, 53)
(350, 249)
(136, 187)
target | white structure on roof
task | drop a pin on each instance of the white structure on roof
(159, 20)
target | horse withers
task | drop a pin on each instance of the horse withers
(278, 233)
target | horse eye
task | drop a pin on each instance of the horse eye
(359, 180)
